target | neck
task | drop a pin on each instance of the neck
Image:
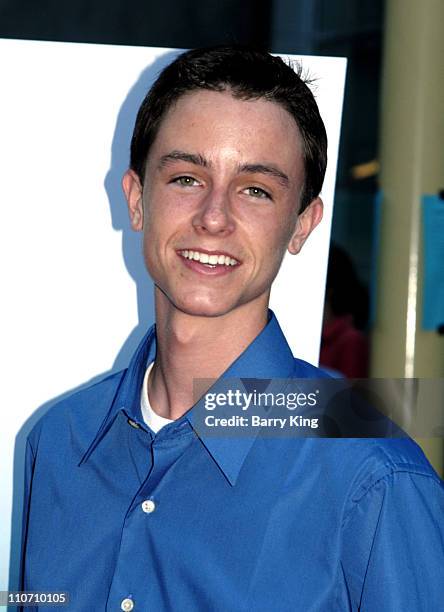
(195, 347)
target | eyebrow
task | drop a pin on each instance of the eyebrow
(199, 160)
(265, 169)
(191, 158)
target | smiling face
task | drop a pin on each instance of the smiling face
(219, 202)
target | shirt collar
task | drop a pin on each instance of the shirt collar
(267, 357)
(127, 396)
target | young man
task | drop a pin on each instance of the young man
(130, 506)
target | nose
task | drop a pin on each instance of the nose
(214, 215)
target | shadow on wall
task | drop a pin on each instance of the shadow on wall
(132, 256)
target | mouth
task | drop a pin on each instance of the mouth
(210, 259)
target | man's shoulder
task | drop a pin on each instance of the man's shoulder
(304, 369)
(347, 469)
(381, 456)
(81, 411)
(361, 466)
(381, 459)
(365, 460)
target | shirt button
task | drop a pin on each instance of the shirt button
(148, 506)
(127, 605)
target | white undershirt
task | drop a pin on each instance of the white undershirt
(151, 418)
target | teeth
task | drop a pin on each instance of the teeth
(212, 260)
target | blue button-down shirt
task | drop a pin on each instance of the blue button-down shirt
(254, 523)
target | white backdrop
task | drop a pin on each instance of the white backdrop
(76, 298)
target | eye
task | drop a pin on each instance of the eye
(258, 192)
(185, 181)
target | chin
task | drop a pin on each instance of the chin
(198, 304)
(203, 310)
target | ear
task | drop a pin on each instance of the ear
(305, 224)
(132, 189)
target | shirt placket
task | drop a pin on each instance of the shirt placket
(128, 592)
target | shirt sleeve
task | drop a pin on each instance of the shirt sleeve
(393, 545)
